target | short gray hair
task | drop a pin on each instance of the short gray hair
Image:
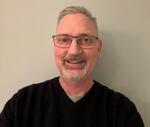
(76, 9)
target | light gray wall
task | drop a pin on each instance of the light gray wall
(26, 47)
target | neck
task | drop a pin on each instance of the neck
(76, 88)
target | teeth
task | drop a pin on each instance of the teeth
(74, 61)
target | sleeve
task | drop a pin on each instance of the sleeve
(8, 113)
(133, 118)
(129, 115)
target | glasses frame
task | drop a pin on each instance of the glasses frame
(74, 37)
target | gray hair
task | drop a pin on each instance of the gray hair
(76, 9)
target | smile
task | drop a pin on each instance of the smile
(74, 64)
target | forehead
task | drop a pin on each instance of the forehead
(75, 24)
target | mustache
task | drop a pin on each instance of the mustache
(75, 57)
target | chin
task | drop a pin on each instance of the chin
(74, 75)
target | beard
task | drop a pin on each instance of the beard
(74, 74)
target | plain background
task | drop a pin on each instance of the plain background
(26, 47)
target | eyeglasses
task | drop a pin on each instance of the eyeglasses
(84, 41)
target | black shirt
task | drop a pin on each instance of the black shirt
(47, 105)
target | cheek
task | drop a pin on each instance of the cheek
(92, 58)
(59, 55)
(93, 55)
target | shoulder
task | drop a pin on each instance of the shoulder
(110, 94)
(113, 100)
(118, 107)
(32, 97)
(38, 88)
(33, 93)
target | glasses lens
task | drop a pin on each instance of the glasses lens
(87, 41)
(62, 41)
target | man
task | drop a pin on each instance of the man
(73, 99)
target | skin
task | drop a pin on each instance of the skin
(76, 64)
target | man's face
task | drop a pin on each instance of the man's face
(74, 62)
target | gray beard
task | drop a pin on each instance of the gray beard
(70, 76)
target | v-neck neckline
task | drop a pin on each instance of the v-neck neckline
(66, 99)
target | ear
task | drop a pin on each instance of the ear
(100, 48)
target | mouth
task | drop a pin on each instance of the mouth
(74, 64)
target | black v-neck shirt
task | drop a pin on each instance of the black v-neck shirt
(47, 105)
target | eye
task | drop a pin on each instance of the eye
(83, 39)
(64, 39)
(86, 40)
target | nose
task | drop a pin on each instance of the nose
(74, 48)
